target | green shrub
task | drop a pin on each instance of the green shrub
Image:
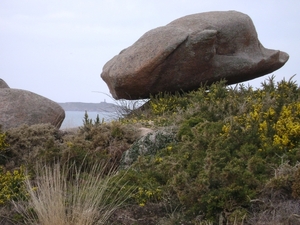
(296, 184)
(3, 143)
(29, 144)
(230, 149)
(102, 141)
(11, 182)
(228, 142)
(11, 185)
(165, 102)
(91, 143)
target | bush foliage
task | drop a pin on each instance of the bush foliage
(235, 150)
(229, 140)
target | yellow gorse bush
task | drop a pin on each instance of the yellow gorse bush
(224, 145)
(12, 185)
(3, 144)
(144, 195)
(273, 115)
(165, 102)
(287, 127)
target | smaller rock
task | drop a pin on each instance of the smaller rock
(3, 84)
(18, 107)
(143, 131)
(147, 145)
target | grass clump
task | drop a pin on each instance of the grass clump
(92, 144)
(65, 194)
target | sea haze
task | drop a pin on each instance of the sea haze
(75, 112)
(90, 107)
(75, 118)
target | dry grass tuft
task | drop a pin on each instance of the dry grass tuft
(64, 195)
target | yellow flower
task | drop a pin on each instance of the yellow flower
(169, 148)
(263, 126)
(158, 160)
(149, 194)
(69, 144)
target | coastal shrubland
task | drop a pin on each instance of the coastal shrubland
(233, 157)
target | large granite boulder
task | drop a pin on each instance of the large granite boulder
(3, 84)
(195, 49)
(19, 107)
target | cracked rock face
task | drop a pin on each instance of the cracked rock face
(190, 51)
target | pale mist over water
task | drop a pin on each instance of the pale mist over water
(75, 118)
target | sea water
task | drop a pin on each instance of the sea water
(75, 118)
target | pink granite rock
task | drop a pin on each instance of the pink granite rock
(195, 49)
(3, 84)
(19, 107)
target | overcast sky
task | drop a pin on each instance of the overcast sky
(58, 48)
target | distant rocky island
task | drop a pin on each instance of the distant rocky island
(91, 107)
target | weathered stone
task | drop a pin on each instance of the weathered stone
(195, 49)
(3, 84)
(19, 107)
(147, 145)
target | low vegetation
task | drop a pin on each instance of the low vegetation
(231, 156)
(67, 195)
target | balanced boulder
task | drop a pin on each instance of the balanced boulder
(3, 84)
(190, 51)
(19, 107)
